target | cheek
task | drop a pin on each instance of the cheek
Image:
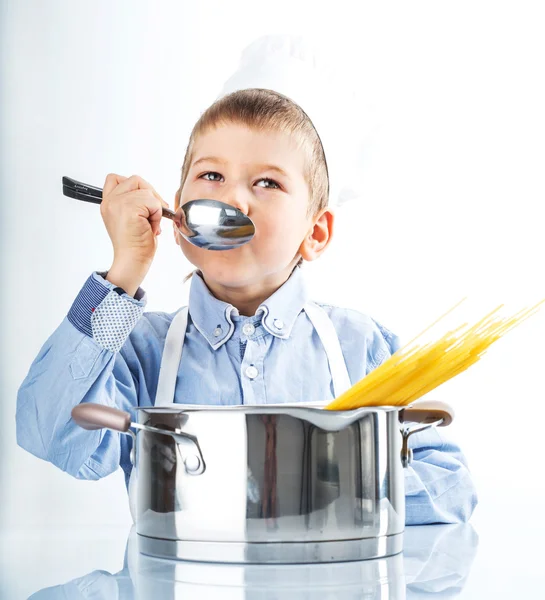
(286, 222)
(278, 237)
(188, 192)
(193, 254)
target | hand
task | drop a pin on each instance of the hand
(131, 210)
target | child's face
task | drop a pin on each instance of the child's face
(261, 174)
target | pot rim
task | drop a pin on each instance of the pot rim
(264, 408)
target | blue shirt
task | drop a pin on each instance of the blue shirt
(108, 350)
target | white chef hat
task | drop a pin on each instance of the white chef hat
(292, 66)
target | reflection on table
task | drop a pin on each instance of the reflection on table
(435, 562)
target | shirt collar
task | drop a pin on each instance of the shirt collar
(212, 317)
(282, 308)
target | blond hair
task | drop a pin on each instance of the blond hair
(267, 110)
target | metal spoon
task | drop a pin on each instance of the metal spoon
(208, 224)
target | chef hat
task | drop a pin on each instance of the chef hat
(292, 66)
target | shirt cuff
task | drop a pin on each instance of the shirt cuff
(105, 312)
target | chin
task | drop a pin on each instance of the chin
(236, 268)
(226, 267)
(231, 273)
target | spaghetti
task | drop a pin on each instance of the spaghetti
(416, 369)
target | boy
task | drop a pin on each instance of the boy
(252, 336)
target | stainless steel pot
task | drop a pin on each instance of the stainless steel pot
(269, 484)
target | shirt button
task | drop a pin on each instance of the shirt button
(217, 331)
(279, 324)
(248, 329)
(251, 372)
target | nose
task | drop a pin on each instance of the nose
(237, 197)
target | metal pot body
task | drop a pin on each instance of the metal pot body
(276, 485)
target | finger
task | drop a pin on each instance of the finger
(135, 182)
(157, 216)
(155, 212)
(111, 182)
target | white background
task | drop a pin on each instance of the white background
(452, 96)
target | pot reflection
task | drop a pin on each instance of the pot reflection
(435, 563)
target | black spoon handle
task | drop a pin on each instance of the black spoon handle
(90, 193)
(81, 191)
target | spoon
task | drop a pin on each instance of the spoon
(208, 224)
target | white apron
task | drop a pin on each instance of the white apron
(172, 353)
(170, 365)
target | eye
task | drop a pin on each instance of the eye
(274, 185)
(212, 173)
(215, 176)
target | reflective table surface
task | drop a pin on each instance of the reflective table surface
(438, 561)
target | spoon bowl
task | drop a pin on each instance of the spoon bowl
(208, 224)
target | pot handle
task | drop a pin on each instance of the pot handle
(97, 416)
(427, 413)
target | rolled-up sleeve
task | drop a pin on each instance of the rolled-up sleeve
(438, 485)
(82, 361)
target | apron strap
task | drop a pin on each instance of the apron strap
(172, 353)
(170, 363)
(330, 341)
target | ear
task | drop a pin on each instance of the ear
(176, 206)
(319, 236)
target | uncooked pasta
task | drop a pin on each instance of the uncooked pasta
(416, 369)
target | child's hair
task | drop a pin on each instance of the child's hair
(268, 110)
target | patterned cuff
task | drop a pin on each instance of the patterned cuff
(105, 312)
